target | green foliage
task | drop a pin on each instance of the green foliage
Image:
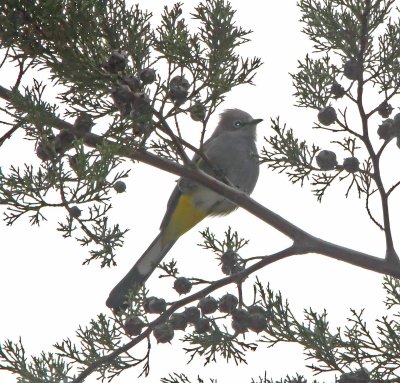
(223, 67)
(44, 368)
(71, 41)
(97, 341)
(337, 25)
(174, 41)
(313, 82)
(74, 44)
(342, 31)
(232, 241)
(349, 349)
(385, 71)
(182, 378)
(217, 343)
(23, 191)
(35, 114)
(286, 154)
(209, 54)
(288, 379)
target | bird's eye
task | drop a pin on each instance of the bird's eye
(237, 124)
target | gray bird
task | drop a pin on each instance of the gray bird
(232, 152)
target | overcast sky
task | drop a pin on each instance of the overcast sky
(47, 293)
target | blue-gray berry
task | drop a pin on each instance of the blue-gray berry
(182, 285)
(208, 305)
(227, 303)
(385, 109)
(386, 130)
(163, 332)
(326, 160)
(337, 90)
(75, 212)
(352, 70)
(351, 164)
(120, 186)
(327, 115)
(147, 75)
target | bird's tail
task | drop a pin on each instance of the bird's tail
(140, 272)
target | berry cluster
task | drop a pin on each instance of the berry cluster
(178, 90)
(120, 187)
(359, 376)
(53, 146)
(128, 95)
(131, 100)
(182, 285)
(387, 130)
(390, 128)
(326, 160)
(327, 115)
(117, 61)
(254, 318)
(231, 263)
(197, 111)
(353, 70)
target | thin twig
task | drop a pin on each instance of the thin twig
(22, 70)
(370, 213)
(8, 134)
(174, 138)
(346, 127)
(5, 57)
(392, 188)
(381, 149)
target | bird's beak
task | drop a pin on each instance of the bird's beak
(256, 121)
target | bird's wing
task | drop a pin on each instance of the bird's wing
(171, 205)
(177, 192)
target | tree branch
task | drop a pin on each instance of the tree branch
(303, 240)
(235, 278)
(391, 254)
(9, 133)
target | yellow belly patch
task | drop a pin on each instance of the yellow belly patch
(185, 216)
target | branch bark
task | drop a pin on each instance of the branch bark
(303, 241)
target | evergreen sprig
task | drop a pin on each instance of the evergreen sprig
(46, 367)
(313, 80)
(174, 40)
(288, 379)
(285, 153)
(351, 349)
(182, 378)
(231, 241)
(386, 71)
(217, 343)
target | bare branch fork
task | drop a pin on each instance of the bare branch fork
(303, 242)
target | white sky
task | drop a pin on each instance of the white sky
(47, 293)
